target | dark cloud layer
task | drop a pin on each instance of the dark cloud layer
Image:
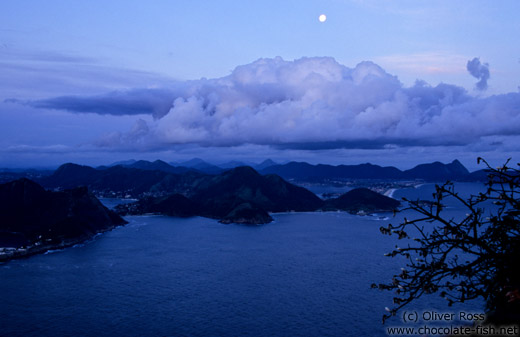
(480, 71)
(156, 102)
(310, 103)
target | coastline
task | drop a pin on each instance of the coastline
(10, 253)
(390, 192)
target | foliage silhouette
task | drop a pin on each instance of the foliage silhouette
(474, 256)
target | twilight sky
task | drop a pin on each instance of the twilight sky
(388, 82)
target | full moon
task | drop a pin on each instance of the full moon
(322, 18)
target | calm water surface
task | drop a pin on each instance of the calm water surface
(305, 274)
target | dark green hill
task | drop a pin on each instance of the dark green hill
(172, 205)
(117, 178)
(239, 195)
(220, 194)
(247, 214)
(71, 175)
(39, 219)
(362, 199)
(438, 171)
(305, 171)
(123, 180)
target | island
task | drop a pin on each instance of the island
(243, 196)
(362, 201)
(240, 195)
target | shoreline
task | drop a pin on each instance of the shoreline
(390, 192)
(10, 253)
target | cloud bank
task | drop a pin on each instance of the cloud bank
(156, 102)
(309, 103)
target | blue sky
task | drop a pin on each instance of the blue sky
(98, 81)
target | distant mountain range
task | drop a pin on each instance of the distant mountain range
(430, 172)
(36, 218)
(232, 196)
(303, 171)
(205, 167)
(299, 171)
(158, 178)
(195, 164)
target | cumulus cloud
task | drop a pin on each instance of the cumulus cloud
(309, 103)
(273, 101)
(318, 103)
(480, 71)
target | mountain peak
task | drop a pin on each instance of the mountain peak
(21, 188)
(264, 164)
(71, 167)
(457, 168)
(242, 171)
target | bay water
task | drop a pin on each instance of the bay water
(305, 274)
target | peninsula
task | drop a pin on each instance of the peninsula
(33, 220)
